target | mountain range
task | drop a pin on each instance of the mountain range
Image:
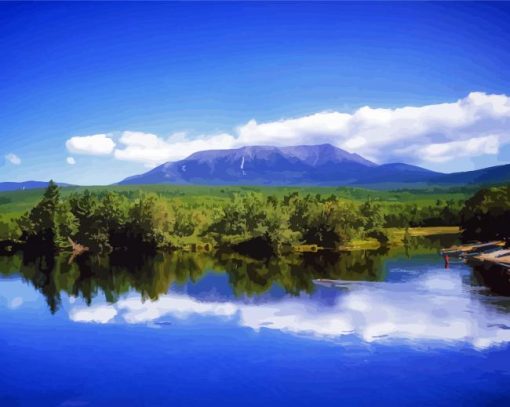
(305, 165)
(317, 165)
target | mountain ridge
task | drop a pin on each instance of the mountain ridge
(303, 165)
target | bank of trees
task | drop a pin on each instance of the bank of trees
(107, 221)
(103, 222)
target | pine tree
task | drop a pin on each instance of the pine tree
(38, 227)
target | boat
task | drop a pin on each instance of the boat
(326, 282)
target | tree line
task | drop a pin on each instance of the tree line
(108, 221)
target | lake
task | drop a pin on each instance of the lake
(394, 327)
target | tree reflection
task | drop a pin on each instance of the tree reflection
(153, 275)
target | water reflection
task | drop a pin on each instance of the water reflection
(429, 308)
(151, 276)
(402, 293)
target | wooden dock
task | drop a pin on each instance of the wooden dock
(499, 257)
(472, 249)
(504, 261)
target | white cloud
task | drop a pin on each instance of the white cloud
(481, 121)
(70, 160)
(98, 144)
(478, 124)
(13, 159)
(152, 150)
(441, 152)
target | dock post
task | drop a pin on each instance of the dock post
(446, 261)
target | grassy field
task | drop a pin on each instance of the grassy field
(15, 203)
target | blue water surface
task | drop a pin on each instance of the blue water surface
(418, 335)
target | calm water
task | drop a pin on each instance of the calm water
(188, 329)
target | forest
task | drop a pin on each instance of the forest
(486, 215)
(249, 222)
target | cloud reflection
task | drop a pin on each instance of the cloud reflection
(101, 314)
(434, 307)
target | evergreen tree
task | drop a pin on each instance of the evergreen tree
(38, 227)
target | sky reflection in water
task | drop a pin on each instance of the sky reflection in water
(192, 330)
(435, 306)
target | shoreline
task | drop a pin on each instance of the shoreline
(397, 237)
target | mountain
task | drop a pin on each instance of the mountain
(318, 165)
(265, 165)
(16, 186)
(261, 165)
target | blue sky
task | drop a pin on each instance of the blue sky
(163, 79)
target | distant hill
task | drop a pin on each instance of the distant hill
(491, 175)
(18, 186)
